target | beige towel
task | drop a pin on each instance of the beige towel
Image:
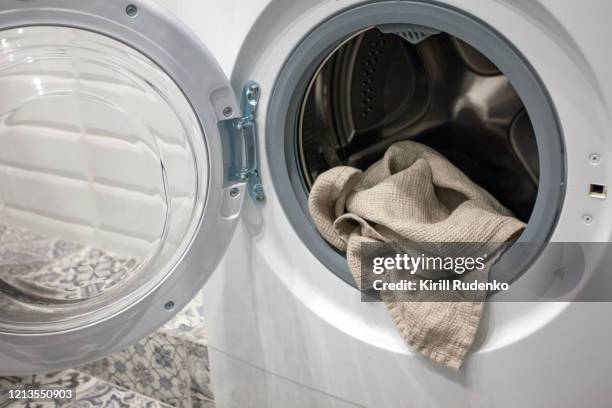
(413, 194)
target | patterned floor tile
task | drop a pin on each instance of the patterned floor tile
(36, 269)
(168, 366)
(202, 401)
(156, 366)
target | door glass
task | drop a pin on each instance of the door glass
(103, 175)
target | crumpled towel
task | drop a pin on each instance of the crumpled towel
(414, 194)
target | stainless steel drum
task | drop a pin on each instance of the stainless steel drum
(379, 88)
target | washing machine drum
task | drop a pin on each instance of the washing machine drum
(111, 176)
(381, 87)
(385, 72)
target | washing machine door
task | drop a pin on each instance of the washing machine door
(117, 197)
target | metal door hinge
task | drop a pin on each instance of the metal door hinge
(244, 146)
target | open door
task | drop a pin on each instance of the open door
(119, 188)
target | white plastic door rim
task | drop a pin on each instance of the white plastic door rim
(111, 175)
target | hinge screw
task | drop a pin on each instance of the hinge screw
(131, 10)
(228, 111)
(234, 192)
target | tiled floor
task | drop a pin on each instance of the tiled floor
(168, 368)
(163, 370)
(171, 365)
(35, 268)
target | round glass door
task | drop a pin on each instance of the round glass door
(103, 177)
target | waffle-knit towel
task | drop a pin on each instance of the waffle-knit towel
(414, 194)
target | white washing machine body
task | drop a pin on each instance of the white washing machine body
(285, 331)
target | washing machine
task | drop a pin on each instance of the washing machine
(133, 168)
(515, 94)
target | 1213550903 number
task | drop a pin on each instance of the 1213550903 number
(40, 394)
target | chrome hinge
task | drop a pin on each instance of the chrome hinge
(245, 155)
